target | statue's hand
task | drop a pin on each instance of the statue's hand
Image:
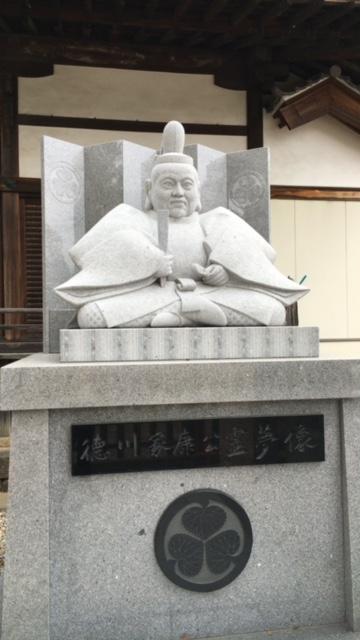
(165, 266)
(214, 275)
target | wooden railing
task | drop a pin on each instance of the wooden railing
(20, 331)
(20, 267)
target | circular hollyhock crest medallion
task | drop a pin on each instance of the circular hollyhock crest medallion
(65, 183)
(246, 191)
(203, 540)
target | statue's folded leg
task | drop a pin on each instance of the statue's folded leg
(245, 307)
(131, 309)
(165, 306)
(154, 306)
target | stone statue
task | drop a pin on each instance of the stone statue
(171, 266)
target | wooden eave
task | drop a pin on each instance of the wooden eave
(242, 44)
(329, 97)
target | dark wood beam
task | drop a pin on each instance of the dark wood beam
(147, 19)
(235, 27)
(9, 153)
(119, 6)
(26, 69)
(254, 114)
(58, 21)
(352, 68)
(151, 7)
(309, 10)
(15, 49)
(275, 10)
(336, 13)
(11, 247)
(327, 51)
(29, 24)
(127, 125)
(181, 9)
(314, 193)
(248, 6)
(15, 184)
(241, 75)
(349, 23)
(215, 7)
(4, 26)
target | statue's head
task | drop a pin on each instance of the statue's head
(174, 183)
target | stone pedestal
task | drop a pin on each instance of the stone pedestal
(187, 343)
(80, 561)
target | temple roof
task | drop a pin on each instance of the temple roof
(254, 42)
(331, 94)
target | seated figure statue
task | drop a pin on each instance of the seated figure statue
(171, 266)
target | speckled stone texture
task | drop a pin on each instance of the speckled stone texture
(198, 343)
(63, 225)
(26, 581)
(77, 180)
(81, 548)
(114, 172)
(351, 477)
(81, 184)
(40, 381)
(248, 187)
(105, 581)
(323, 632)
(211, 167)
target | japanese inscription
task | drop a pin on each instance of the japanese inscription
(149, 446)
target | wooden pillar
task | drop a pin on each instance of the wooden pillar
(9, 153)
(11, 249)
(254, 117)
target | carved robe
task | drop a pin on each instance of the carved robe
(119, 259)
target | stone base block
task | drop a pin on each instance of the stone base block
(188, 343)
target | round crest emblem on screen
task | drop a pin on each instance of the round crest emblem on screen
(203, 540)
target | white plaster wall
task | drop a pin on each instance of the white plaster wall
(322, 153)
(125, 95)
(131, 95)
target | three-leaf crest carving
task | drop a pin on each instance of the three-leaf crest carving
(207, 543)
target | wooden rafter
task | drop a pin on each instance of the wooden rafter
(126, 56)
(252, 38)
(69, 122)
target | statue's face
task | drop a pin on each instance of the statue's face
(175, 189)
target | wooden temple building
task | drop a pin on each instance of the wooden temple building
(298, 60)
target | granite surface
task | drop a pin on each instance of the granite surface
(211, 167)
(249, 188)
(63, 224)
(215, 269)
(323, 632)
(105, 582)
(40, 381)
(114, 172)
(350, 421)
(188, 343)
(26, 580)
